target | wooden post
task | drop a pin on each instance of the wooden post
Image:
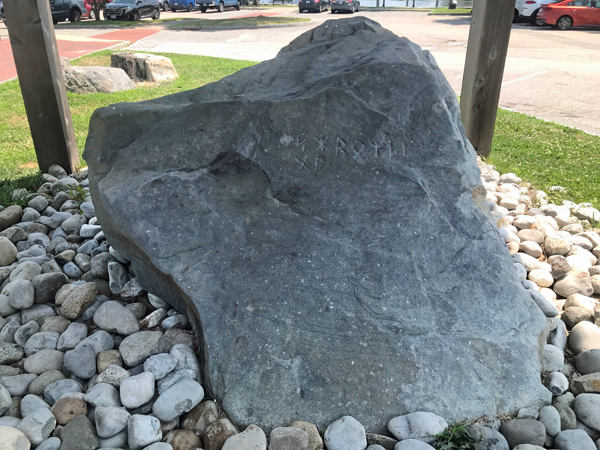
(491, 23)
(35, 51)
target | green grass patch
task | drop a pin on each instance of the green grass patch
(547, 154)
(18, 163)
(242, 22)
(26, 185)
(459, 11)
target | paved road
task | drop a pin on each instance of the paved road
(550, 74)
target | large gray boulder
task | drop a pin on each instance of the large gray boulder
(94, 79)
(317, 219)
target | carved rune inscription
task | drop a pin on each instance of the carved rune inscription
(317, 151)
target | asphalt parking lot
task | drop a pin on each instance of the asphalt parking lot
(549, 74)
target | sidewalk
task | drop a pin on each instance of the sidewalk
(71, 46)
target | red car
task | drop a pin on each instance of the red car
(571, 13)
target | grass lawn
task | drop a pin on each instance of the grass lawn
(547, 154)
(242, 22)
(460, 11)
(542, 153)
(17, 156)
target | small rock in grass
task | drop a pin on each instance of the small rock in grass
(72, 336)
(160, 365)
(17, 385)
(412, 444)
(110, 420)
(38, 425)
(113, 317)
(41, 382)
(13, 439)
(57, 389)
(550, 418)
(138, 390)
(108, 358)
(418, 425)
(588, 362)
(81, 361)
(284, 438)
(216, 433)
(143, 431)
(177, 400)
(346, 433)
(201, 416)
(68, 407)
(31, 403)
(43, 361)
(79, 434)
(187, 439)
(113, 375)
(103, 394)
(574, 440)
(584, 336)
(136, 348)
(556, 382)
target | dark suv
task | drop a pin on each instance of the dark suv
(132, 10)
(67, 9)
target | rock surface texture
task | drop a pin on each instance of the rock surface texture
(312, 282)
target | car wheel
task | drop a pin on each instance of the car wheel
(156, 14)
(564, 23)
(92, 15)
(533, 20)
(203, 9)
(320, 8)
(135, 16)
(75, 16)
(238, 6)
(515, 15)
(221, 7)
(357, 8)
(165, 6)
(190, 7)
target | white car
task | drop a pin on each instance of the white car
(528, 10)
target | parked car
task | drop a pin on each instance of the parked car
(132, 10)
(571, 13)
(183, 4)
(72, 10)
(345, 5)
(313, 5)
(2, 12)
(164, 4)
(219, 5)
(89, 13)
(528, 10)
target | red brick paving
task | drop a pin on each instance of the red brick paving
(72, 49)
(128, 35)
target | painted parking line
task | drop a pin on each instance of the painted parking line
(524, 78)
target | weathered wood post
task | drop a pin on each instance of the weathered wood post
(35, 51)
(491, 23)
